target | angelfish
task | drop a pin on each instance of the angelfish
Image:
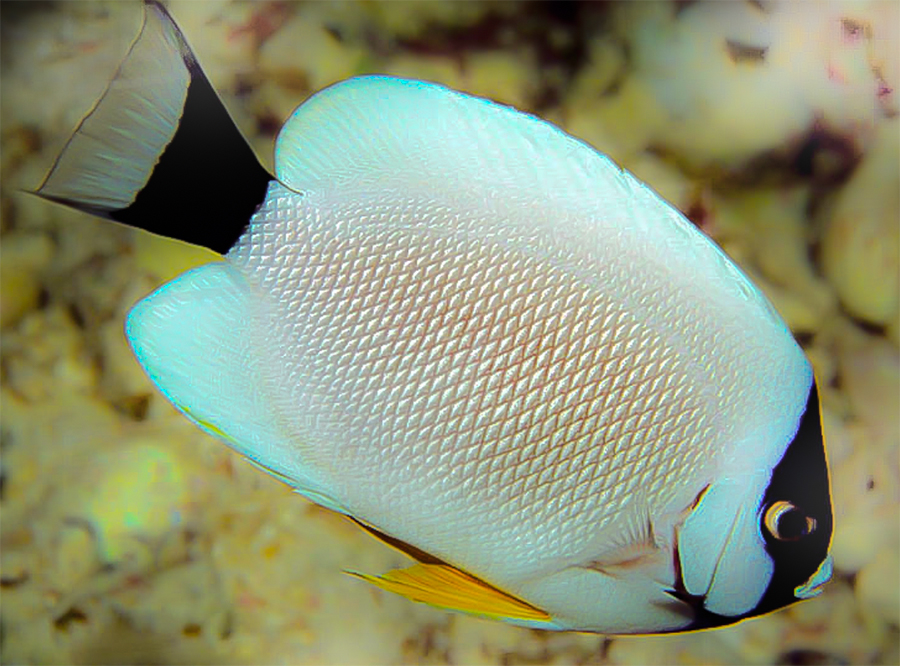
(475, 336)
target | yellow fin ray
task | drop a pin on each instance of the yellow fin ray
(444, 586)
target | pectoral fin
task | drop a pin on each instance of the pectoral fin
(444, 586)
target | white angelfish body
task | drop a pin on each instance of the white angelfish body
(480, 338)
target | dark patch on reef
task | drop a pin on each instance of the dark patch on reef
(71, 615)
(556, 32)
(820, 156)
(739, 52)
(12, 581)
(809, 657)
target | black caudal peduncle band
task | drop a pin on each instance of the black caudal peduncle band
(207, 183)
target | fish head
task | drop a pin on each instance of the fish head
(795, 516)
(754, 543)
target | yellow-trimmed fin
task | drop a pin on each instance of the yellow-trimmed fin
(211, 428)
(446, 587)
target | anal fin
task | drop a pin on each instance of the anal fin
(446, 587)
(159, 150)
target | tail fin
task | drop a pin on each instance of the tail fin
(159, 151)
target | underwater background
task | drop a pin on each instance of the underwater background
(128, 536)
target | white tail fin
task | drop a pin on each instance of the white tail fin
(159, 151)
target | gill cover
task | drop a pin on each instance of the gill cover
(723, 554)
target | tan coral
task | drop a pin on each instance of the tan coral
(861, 241)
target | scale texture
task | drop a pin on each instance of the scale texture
(487, 340)
(475, 391)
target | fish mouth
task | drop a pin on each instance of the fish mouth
(815, 584)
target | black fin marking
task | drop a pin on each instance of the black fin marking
(402, 546)
(159, 150)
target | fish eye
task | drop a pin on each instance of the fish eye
(786, 522)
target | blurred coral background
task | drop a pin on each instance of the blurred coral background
(128, 536)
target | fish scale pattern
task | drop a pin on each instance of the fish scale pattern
(476, 390)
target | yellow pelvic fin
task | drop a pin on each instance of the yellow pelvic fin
(444, 586)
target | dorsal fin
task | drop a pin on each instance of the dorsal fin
(159, 150)
(370, 127)
(409, 138)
